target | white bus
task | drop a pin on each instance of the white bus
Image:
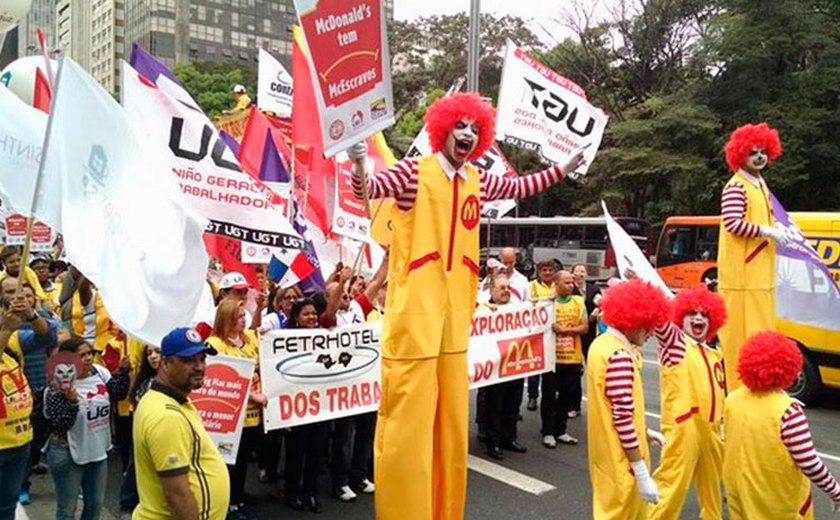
(569, 240)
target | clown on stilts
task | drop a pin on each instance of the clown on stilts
(420, 450)
(748, 233)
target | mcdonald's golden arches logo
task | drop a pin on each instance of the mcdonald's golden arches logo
(470, 212)
(521, 355)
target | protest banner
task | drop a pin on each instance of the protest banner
(350, 65)
(513, 342)
(542, 111)
(313, 375)
(274, 86)
(222, 401)
(349, 215)
(42, 234)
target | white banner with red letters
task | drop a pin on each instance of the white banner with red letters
(351, 68)
(542, 111)
(312, 375)
(222, 401)
(349, 216)
(42, 235)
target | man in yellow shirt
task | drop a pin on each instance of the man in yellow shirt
(180, 473)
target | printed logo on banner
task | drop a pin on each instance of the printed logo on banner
(357, 119)
(281, 86)
(556, 109)
(336, 130)
(521, 355)
(347, 357)
(470, 212)
(378, 109)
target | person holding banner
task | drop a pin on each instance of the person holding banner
(231, 338)
(433, 283)
(619, 460)
(10, 257)
(769, 455)
(40, 265)
(748, 233)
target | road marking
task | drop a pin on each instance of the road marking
(508, 476)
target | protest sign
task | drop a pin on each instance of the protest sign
(513, 342)
(42, 235)
(274, 86)
(222, 401)
(349, 215)
(350, 67)
(545, 112)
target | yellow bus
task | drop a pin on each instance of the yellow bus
(686, 255)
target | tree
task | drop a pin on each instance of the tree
(211, 83)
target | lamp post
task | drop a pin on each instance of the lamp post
(474, 46)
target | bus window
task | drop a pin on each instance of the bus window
(547, 236)
(679, 244)
(707, 243)
(502, 235)
(526, 237)
(571, 237)
(595, 237)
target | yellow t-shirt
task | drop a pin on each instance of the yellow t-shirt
(249, 350)
(170, 439)
(15, 404)
(570, 311)
(541, 291)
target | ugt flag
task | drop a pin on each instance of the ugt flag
(806, 292)
(126, 225)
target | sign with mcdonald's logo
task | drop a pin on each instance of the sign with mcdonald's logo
(519, 355)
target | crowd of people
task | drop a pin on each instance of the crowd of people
(136, 396)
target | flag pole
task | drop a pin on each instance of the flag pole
(290, 208)
(47, 63)
(27, 244)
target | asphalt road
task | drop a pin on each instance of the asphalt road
(560, 476)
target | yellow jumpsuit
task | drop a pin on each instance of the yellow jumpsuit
(762, 480)
(692, 416)
(614, 494)
(420, 449)
(746, 279)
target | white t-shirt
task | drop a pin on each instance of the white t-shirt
(353, 315)
(519, 287)
(90, 437)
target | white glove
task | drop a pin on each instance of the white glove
(647, 487)
(656, 437)
(780, 235)
(358, 151)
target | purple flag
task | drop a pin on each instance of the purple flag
(148, 65)
(806, 292)
(230, 141)
(272, 168)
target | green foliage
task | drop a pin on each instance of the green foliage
(211, 83)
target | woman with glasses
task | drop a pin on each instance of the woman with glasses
(280, 301)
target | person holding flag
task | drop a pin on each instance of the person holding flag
(433, 283)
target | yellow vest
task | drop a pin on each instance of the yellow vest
(748, 263)
(613, 485)
(135, 350)
(693, 389)
(569, 350)
(540, 291)
(105, 329)
(249, 350)
(15, 404)
(32, 279)
(762, 481)
(433, 268)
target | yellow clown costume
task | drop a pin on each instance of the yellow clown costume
(421, 441)
(746, 251)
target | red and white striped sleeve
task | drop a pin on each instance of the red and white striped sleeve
(733, 209)
(619, 391)
(499, 187)
(797, 439)
(395, 182)
(671, 342)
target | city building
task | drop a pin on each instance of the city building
(92, 33)
(41, 15)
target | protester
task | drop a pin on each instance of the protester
(235, 286)
(15, 427)
(591, 294)
(561, 388)
(231, 338)
(343, 308)
(86, 316)
(10, 258)
(540, 289)
(519, 288)
(305, 444)
(180, 473)
(80, 424)
(41, 267)
(142, 382)
(615, 410)
(693, 387)
(501, 401)
(769, 455)
(279, 306)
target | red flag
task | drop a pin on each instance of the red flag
(306, 135)
(43, 94)
(251, 150)
(229, 252)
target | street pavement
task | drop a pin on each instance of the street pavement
(540, 484)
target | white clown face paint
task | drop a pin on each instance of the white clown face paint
(696, 325)
(461, 142)
(756, 161)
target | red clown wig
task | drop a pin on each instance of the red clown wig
(750, 136)
(634, 305)
(701, 299)
(445, 112)
(769, 360)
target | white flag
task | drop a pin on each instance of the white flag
(629, 256)
(125, 223)
(274, 86)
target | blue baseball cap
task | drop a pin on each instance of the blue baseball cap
(185, 342)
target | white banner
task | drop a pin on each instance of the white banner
(349, 215)
(223, 400)
(543, 111)
(313, 375)
(274, 86)
(124, 222)
(350, 67)
(237, 206)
